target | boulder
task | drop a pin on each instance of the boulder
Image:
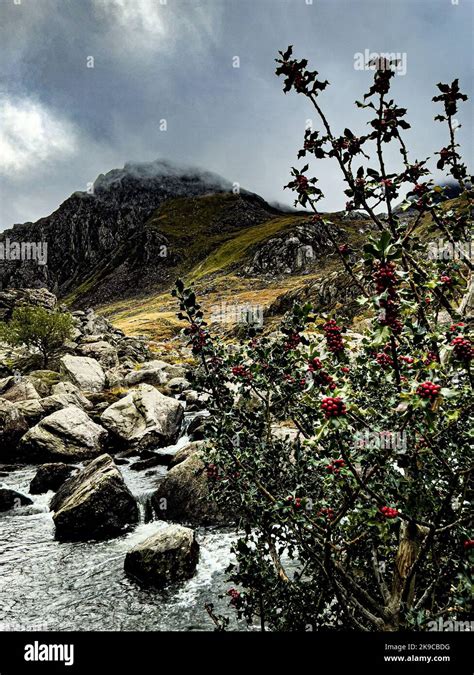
(152, 372)
(50, 477)
(177, 385)
(94, 504)
(183, 495)
(168, 556)
(44, 380)
(157, 460)
(144, 417)
(185, 452)
(65, 394)
(67, 435)
(13, 425)
(83, 371)
(15, 389)
(102, 351)
(10, 499)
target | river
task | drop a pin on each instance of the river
(48, 585)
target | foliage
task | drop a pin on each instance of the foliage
(39, 328)
(355, 511)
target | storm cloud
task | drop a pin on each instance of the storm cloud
(88, 85)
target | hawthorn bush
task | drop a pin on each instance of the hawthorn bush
(354, 512)
(38, 328)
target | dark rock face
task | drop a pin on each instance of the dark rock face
(10, 499)
(94, 504)
(170, 555)
(335, 289)
(12, 427)
(293, 252)
(105, 231)
(50, 477)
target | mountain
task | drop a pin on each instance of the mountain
(120, 248)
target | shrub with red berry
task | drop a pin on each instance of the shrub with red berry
(330, 557)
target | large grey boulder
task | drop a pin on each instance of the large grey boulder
(168, 556)
(94, 504)
(83, 371)
(102, 351)
(50, 477)
(151, 372)
(183, 495)
(144, 417)
(67, 435)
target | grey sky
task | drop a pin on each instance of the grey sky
(61, 123)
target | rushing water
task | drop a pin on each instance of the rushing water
(48, 585)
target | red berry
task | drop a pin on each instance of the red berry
(428, 390)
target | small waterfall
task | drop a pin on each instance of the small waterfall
(145, 506)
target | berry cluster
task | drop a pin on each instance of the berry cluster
(328, 513)
(431, 357)
(212, 472)
(333, 336)
(388, 512)
(333, 406)
(457, 327)
(469, 543)
(384, 360)
(428, 390)
(234, 596)
(198, 337)
(386, 282)
(406, 359)
(335, 466)
(446, 280)
(296, 502)
(463, 349)
(292, 342)
(242, 371)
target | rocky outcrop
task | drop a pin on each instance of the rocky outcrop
(67, 435)
(293, 252)
(168, 556)
(335, 291)
(144, 417)
(83, 371)
(19, 297)
(50, 477)
(94, 504)
(10, 499)
(183, 495)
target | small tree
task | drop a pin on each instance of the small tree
(39, 328)
(364, 520)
